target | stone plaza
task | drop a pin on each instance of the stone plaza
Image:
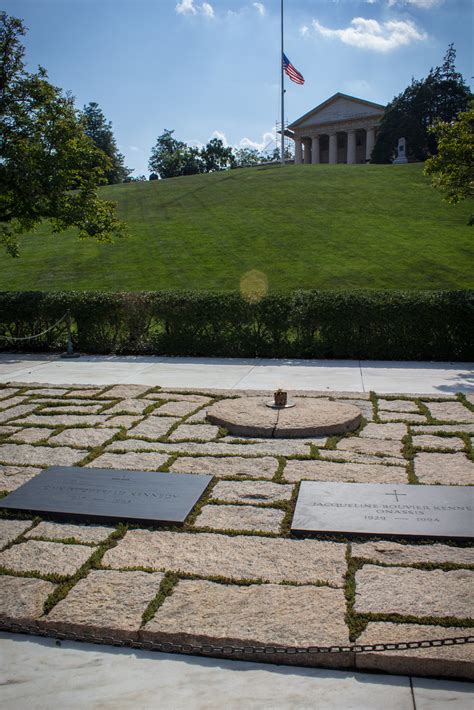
(234, 575)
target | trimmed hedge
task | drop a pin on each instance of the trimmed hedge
(382, 325)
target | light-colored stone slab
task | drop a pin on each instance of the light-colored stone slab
(203, 432)
(402, 416)
(240, 517)
(176, 409)
(12, 402)
(370, 446)
(54, 420)
(338, 455)
(122, 420)
(7, 392)
(198, 418)
(73, 409)
(124, 392)
(365, 407)
(47, 392)
(23, 597)
(398, 405)
(441, 661)
(269, 614)
(264, 467)
(384, 431)
(87, 438)
(393, 553)
(444, 428)
(428, 441)
(60, 531)
(25, 454)
(11, 529)
(413, 592)
(251, 492)
(130, 461)
(345, 472)
(31, 435)
(129, 406)
(455, 468)
(238, 557)
(272, 448)
(14, 413)
(197, 399)
(12, 477)
(86, 393)
(8, 430)
(153, 427)
(450, 412)
(45, 557)
(113, 602)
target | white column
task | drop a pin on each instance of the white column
(351, 147)
(307, 150)
(370, 142)
(315, 156)
(332, 148)
(298, 151)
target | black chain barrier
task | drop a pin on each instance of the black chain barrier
(189, 648)
(37, 335)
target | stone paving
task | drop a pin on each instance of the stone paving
(233, 574)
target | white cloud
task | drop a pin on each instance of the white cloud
(422, 4)
(304, 30)
(260, 7)
(187, 7)
(221, 136)
(267, 138)
(370, 34)
(207, 9)
(134, 148)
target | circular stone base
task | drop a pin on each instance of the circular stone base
(249, 416)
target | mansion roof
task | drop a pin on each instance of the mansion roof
(339, 108)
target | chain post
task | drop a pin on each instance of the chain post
(69, 354)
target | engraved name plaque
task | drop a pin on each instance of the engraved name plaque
(385, 509)
(108, 495)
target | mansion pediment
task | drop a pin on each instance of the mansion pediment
(340, 108)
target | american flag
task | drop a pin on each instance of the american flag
(293, 73)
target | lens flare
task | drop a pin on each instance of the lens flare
(253, 286)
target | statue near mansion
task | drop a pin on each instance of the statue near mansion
(340, 130)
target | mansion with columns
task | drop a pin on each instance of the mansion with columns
(340, 130)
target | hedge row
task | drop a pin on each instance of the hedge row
(436, 325)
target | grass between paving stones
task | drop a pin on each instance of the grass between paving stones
(375, 407)
(464, 400)
(409, 455)
(167, 587)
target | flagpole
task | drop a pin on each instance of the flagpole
(282, 156)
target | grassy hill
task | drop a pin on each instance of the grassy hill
(341, 226)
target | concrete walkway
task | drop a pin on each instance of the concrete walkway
(37, 673)
(220, 373)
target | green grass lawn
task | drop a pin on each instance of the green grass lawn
(307, 226)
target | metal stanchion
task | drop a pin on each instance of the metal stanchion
(69, 354)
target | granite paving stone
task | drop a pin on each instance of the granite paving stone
(73, 409)
(370, 446)
(12, 477)
(237, 557)
(176, 409)
(444, 428)
(442, 661)
(402, 416)
(344, 472)
(122, 420)
(12, 402)
(205, 432)
(271, 448)
(124, 392)
(83, 437)
(262, 614)
(87, 393)
(264, 467)
(198, 399)
(251, 491)
(401, 590)
(129, 406)
(129, 461)
(113, 602)
(352, 456)
(428, 441)
(8, 430)
(25, 454)
(393, 553)
(240, 517)
(398, 405)
(30, 435)
(153, 427)
(45, 557)
(11, 529)
(23, 597)
(62, 531)
(384, 431)
(450, 412)
(47, 391)
(454, 469)
(197, 418)
(365, 407)
(7, 392)
(55, 420)
(16, 412)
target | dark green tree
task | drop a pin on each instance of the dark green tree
(441, 96)
(44, 153)
(245, 157)
(216, 156)
(167, 156)
(100, 131)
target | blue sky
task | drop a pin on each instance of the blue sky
(212, 68)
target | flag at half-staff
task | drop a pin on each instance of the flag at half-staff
(290, 71)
